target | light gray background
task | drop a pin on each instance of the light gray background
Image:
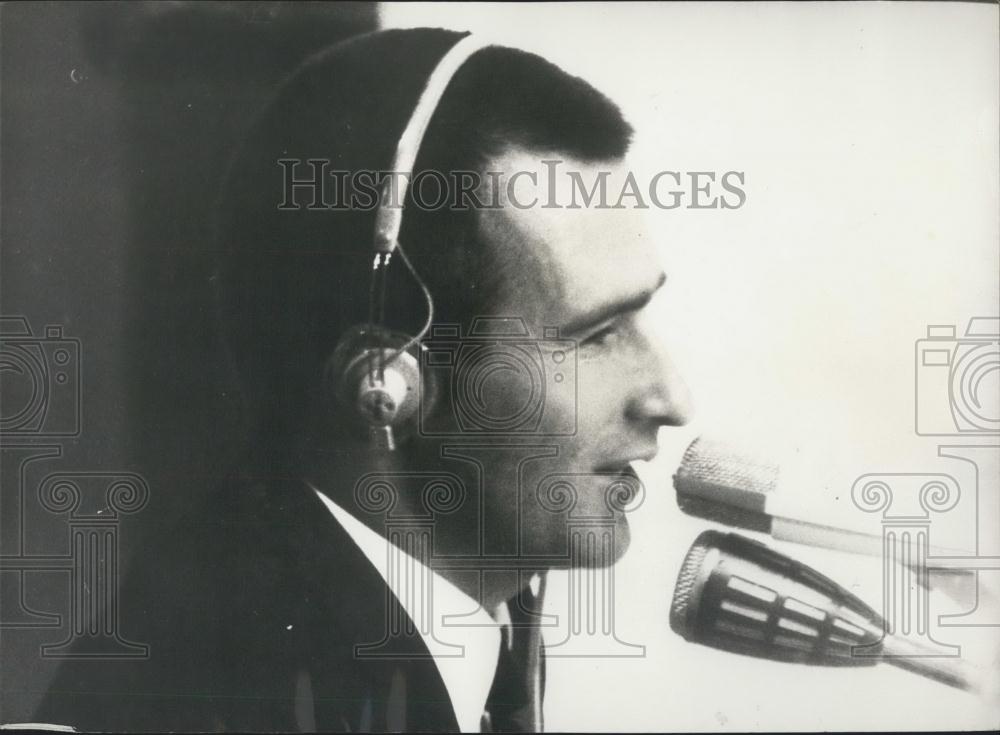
(868, 134)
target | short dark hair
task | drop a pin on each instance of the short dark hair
(292, 281)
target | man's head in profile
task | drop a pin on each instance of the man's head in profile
(539, 379)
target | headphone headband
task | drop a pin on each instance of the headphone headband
(389, 219)
(371, 369)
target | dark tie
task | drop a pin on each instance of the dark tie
(515, 700)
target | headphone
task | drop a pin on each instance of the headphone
(373, 371)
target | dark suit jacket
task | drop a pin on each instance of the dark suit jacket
(252, 610)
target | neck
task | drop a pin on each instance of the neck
(345, 475)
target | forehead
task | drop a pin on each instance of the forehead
(561, 261)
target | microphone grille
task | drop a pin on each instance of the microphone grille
(684, 590)
(717, 463)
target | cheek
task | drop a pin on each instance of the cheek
(612, 376)
(513, 389)
(500, 396)
(568, 517)
(602, 387)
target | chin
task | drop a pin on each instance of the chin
(594, 546)
(601, 546)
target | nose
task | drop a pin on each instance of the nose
(663, 398)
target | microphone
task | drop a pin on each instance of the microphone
(738, 595)
(718, 482)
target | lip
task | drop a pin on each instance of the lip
(619, 471)
(620, 467)
(623, 488)
(630, 472)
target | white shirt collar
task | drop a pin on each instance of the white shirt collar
(465, 653)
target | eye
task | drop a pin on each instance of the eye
(602, 336)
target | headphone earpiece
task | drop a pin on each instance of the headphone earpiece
(378, 385)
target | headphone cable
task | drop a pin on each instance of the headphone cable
(430, 309)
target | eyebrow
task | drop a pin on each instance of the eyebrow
(583, 322)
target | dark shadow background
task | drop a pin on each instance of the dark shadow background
(116, 120)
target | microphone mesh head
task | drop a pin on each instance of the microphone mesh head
(720, 483)
(710, 462)
(684, 590)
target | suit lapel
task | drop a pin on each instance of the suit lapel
(368, 666)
